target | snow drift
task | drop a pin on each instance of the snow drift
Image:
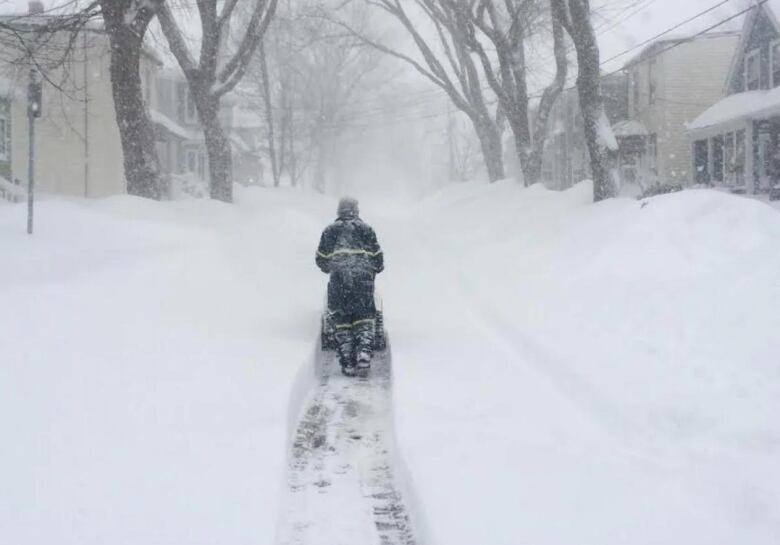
(563, 371)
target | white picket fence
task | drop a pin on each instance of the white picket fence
(12, 192)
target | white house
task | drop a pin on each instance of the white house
(670, 82)
(77, 144)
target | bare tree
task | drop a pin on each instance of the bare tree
(454, 70)
(575, 16)
(126, 23)
(506, 26)
(321, 79)
(269, 117)
(216, 72)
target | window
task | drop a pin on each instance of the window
(4, 155)
(651, 81)
(201, 166)
(739, 158)
(717, 159)
(185, 104)
(774, 61)
(190, 113)
(635, 84)
(194, 162)
(701, 160)
(652, 154)
(752, 70)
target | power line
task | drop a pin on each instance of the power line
(374, 114)
(645, 42)
(689, 38)
(667, 31)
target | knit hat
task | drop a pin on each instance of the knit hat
(348, 208)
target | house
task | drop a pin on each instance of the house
(77, 147)
(180, 143)
(649, 103)
(736, 142)
(179, 139)
(566, 159)
(670, 82)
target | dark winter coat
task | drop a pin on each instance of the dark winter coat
(350, 253)
(349, 244)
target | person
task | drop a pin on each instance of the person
(350, 254)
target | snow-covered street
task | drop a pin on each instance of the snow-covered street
(561, 371)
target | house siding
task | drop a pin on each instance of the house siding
(688, 79)
(78, 147)
(759, 37)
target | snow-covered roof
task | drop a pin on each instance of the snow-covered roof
(629, 127)
(170, 126)
(748, 105)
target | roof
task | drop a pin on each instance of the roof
(772, 9)
(672, 39)
(25, 20)
(740, 106)
(171, 127)
(629, 127)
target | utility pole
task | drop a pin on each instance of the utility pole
(34, 93)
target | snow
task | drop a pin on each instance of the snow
(747, 105)
(12, 192)
(604, 132)
(172, 127)
(630, 127)
(563, 372)
(592, 374)
(148, 354)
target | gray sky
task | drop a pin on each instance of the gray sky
(624, 23)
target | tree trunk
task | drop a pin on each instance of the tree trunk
(217, 147)
(291, 148)
(269, 114)
(533, 169)
(492, 150)
(598, 136)
(141, 165)
(594, 118)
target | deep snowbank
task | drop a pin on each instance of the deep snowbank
(148, 351)
(606, 373)
(564, 372)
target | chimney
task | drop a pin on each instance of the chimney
(35, 7)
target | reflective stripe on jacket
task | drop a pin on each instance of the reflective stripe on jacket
(349, 243)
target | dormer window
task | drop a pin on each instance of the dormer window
(774, 56)
(752, 71)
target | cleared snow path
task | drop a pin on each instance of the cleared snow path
(342, 486)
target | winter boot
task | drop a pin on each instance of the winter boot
(345, 347)
(363, 360)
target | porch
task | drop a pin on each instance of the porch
(736, 144)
